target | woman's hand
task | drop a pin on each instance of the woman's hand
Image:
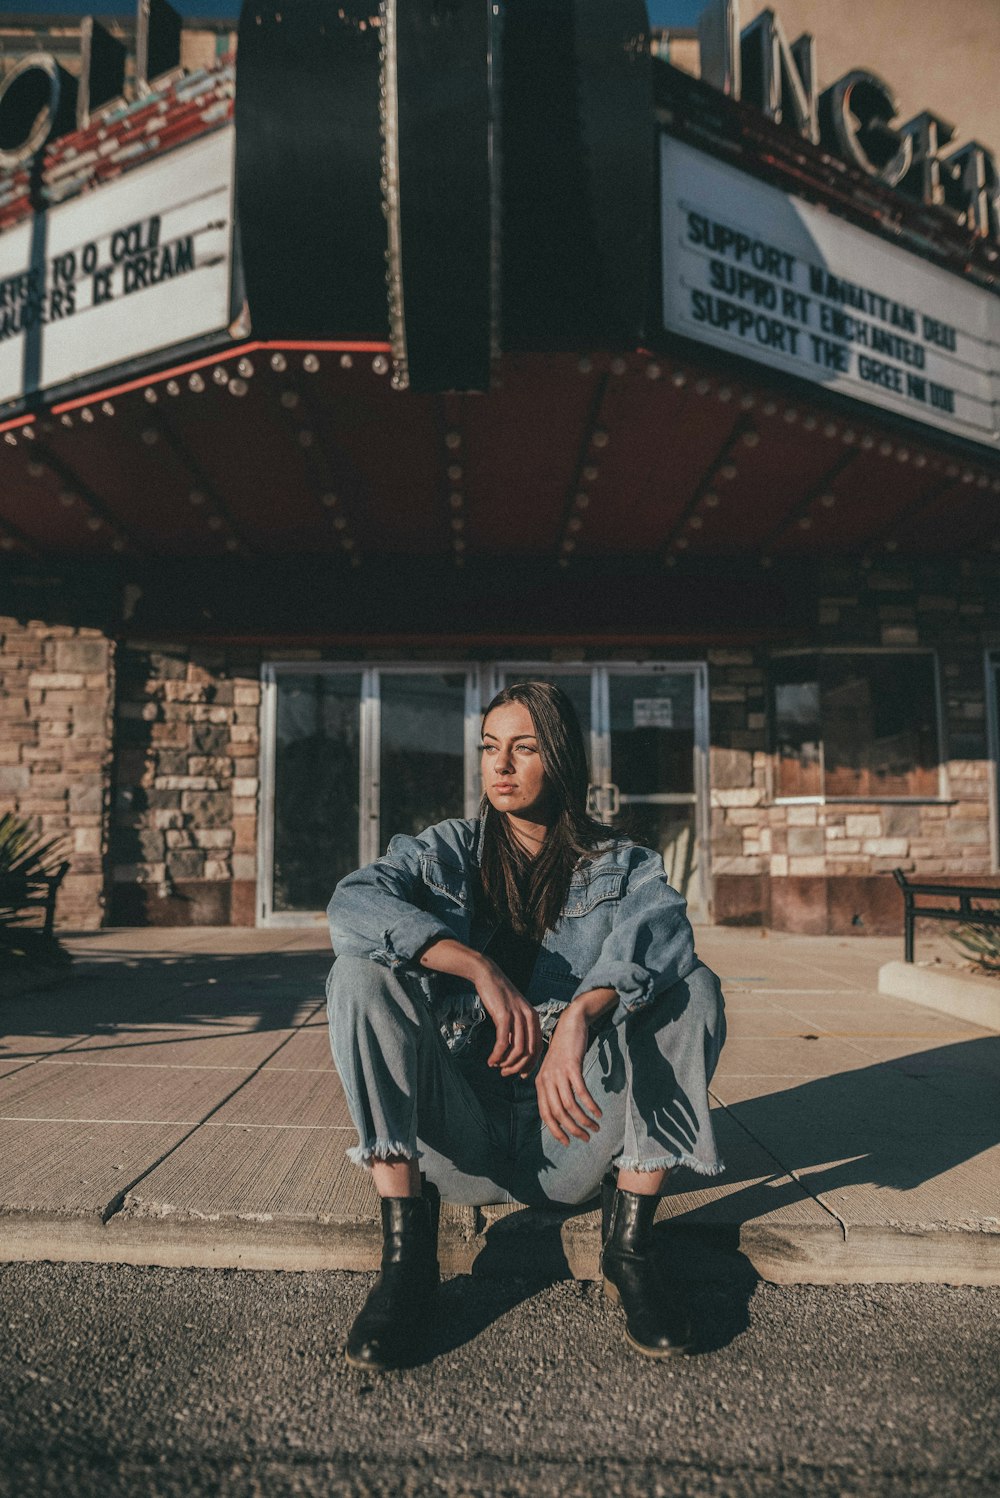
(519, 1034)
(563, 1100)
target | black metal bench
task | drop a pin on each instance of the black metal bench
(36, 889)
(964, 914)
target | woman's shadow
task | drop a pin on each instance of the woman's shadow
(896, 1124)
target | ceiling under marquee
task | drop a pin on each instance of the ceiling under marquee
(282, 452)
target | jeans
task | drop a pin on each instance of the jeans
(478, 1136)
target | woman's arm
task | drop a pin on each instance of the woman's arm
(564, 1104)
(377, 911)
(650, 946)
(518, 1032)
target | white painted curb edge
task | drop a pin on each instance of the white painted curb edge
(960, 994)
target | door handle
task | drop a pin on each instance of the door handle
(604, 800)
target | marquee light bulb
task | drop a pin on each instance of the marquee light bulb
(94, 522)
(600, 438)
(380, 365)
(452, 440)
(279, 363)
(310, 363)
(173, 388)
(346, 362)
(196, 383)
(151, 395)
(244, 367)
(220, 374)
(238, 387)
(328, 500)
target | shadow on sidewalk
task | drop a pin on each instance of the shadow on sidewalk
(897, 1124)
(135, 998)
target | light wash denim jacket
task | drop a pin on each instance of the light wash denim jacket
(622, 926)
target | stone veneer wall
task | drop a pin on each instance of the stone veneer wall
(826, 867)
(56, 701)
(184, 823)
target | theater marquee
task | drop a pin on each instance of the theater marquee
(119, 273)
(762, 274)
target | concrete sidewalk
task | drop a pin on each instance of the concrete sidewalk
(174, 1102)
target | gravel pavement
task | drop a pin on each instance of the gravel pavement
(132, 1382)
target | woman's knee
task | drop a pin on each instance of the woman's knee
(359, 984)
(695, 1000)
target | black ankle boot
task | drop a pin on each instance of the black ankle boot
(655, 1322)
(390, 1326)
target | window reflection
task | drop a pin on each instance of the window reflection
(856, 725)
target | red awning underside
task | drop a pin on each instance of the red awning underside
(566, 458)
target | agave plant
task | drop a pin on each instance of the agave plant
(981, 943)
(24, 857)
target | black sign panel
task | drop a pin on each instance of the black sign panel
(308, 165)
(577, 172)
(461, 175)
(442, 250)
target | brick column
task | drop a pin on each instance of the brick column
(56, 700)
(184, 836)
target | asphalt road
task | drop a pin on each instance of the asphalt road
(148, 1382)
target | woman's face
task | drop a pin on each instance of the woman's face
(513, 778)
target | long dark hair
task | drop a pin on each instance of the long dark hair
(531, 893)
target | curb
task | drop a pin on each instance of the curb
(523, 1244)
(959, 994)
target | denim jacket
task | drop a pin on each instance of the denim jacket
(622, 926)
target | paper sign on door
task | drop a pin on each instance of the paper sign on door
(652, 712)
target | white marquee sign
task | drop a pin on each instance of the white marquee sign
(123, 271)
(761, 274)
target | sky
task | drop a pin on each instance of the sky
(661, 12)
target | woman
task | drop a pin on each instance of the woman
(516, 1004)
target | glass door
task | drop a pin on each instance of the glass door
(351, 755)
(418, 733)
(312, 825)
(657, 748)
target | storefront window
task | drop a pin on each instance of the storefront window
(855, 726)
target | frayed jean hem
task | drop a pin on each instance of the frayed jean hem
(669, 1162)
(380, 1149)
